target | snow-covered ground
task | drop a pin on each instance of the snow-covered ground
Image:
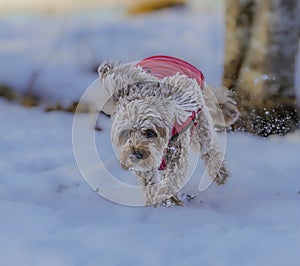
(48, 213)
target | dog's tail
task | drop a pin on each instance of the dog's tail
(221, 106)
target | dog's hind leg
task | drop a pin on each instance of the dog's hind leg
(204, 140)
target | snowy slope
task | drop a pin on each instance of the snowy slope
(50, 216)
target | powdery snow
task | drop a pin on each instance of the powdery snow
(50, 216)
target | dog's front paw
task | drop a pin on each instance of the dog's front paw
(172, 201)
(169, 202)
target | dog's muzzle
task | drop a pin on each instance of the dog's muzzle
(135, 156)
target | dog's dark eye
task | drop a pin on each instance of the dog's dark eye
(149, 133)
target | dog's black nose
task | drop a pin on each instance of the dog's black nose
(135, 156)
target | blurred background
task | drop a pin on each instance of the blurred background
(50, 50)
(67, 5)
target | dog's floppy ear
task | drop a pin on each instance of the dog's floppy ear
(174, 113)
(185, 94)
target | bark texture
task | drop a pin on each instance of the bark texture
(260, 60)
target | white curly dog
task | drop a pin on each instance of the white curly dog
(158, 116)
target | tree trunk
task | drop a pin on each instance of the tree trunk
(260, 60)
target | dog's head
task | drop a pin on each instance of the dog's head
(140, 133)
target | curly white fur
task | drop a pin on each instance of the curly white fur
(145, 109)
